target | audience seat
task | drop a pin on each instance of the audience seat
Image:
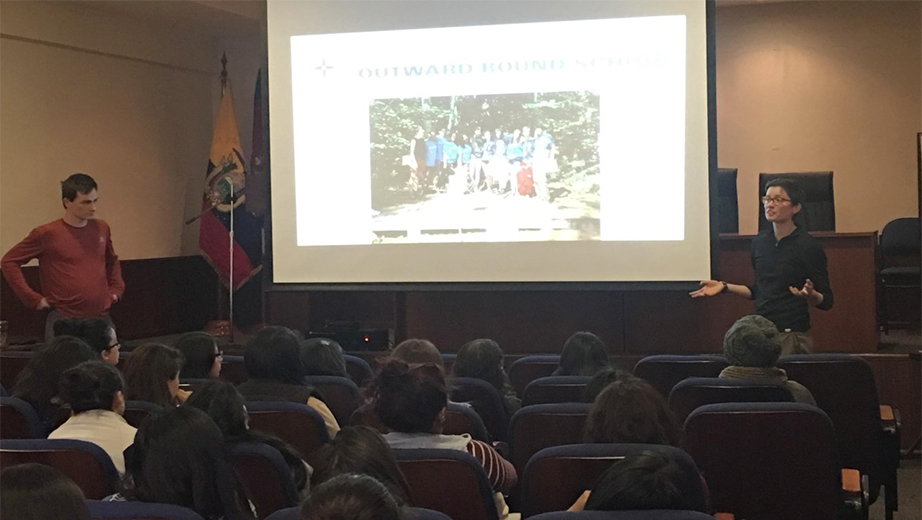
(486, 401)
(625, 515)
(448, 361)
(139, 511)
(698, 391)
(450, 481)
(844, 387)
(295, 423)
(136, 412)
(12, 362)
(340, 394)
(3, 392)
(664, 371)
(191, 384)
(265, 477)
(555, 477)
(18, 420)
(83, 462)
(459, 418)
(771, 461)
(233, 369)
(408, 513)
(528, 368)
(555, 389)
(544, 425)
(358, 369)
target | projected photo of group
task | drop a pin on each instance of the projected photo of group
(501, 167)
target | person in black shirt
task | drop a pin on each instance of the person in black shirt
(790, 270)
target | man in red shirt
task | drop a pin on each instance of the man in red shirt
(78, 270)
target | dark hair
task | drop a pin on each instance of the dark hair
(77, 183)
(483, 359)
(632, 411)
(322, 357)
(601, 380)
(39, 492)
(409, 398)
(356, 497)
(148, 372)
(793, 188)
(583, 354)
(38, 382)
(274, 354)
(415, 351)
(198, 349)
(94, 331)
(91, 385)
(644, 481)
(361, 450)
(178, 458)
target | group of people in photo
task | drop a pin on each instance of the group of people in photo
(502, 162)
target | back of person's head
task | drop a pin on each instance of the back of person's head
(39, 492)
(201, 353)
(38, 382)
(323, 357)
(224, 404)
(631, 411)
(96, 332)
(417, 351)
(583, 354)
(350, 497)
(753, 341)
(601, 380)
(409, 398)
(149, 374)
(647, 480)
(274, 354)
(178, 458)
(93, 385)
(360, 450)
(482, 359)
(78, 183)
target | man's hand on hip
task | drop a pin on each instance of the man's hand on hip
(42, 305)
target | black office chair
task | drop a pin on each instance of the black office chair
(818, 211)
(728, 206)
(900, 274)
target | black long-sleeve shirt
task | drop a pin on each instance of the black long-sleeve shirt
(788, 263)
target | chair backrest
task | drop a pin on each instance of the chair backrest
(12, 362)
(544, 425)
(340, 394)
(358, 369)
(528, 368)
(83, 462)
(658, 514)
(555, 477)
(698, 391)
(844, 387)
(767, 461)
(448, 360)
(295, 423)
(450, 481)
(233, 369)
(265, 477)
(418, 513)
(136, 412)
(728, 206)
(18, 420)
(459, 418)
(901, 237)
(486, 401)
(818, 212)
(664, 371)
(555, 389)
(3, 392)
(100, 510)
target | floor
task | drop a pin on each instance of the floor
(909, 478)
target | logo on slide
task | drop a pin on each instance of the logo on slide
(323, 68)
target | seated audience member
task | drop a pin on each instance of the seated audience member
(411, 402)
(602, 379)
(632, 411)
(361, 450)
(583, 354)
(40, 492)
(95, 392)
(323, 357)
(353, 497)
(152, 375)
(178, 458)
(96, 332)
(417, 351)
(752, 346)
(644, 481)
(38, 382)
(274, 373)
(483, 359)
(202, 356)
(227, 408)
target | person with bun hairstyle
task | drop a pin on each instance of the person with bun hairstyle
(95, 392)
(38, 381)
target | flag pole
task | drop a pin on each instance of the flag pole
(233, 204)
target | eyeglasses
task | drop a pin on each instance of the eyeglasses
(115, 346)
(777, 200)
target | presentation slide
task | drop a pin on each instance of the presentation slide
(559, 150)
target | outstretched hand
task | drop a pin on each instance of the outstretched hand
(808, 293)
(708, 288)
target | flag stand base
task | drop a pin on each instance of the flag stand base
(221, 329)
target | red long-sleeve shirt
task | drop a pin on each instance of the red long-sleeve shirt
(78, 269)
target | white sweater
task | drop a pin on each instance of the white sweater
(104, 428)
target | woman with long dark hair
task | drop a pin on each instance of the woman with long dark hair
(152, 375)
(583, 354)
(38, 382)
(483, 359)
(202, 356)
(631, 411)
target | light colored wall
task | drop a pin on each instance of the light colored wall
(810, 86)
